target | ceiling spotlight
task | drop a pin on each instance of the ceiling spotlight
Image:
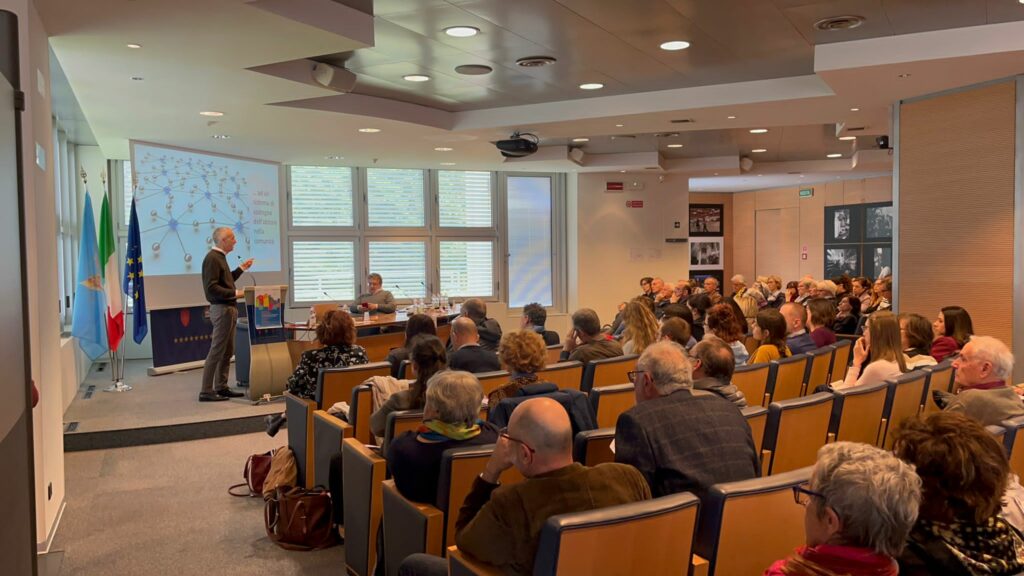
(442, 149)
(716, 173)
(415, 78)
(759, 150)
(591, 86)
(675, 45)
(801, 175)
(461, 31)
(854, 109)
(447, 163)
(134, 46)
(221, 136)
(137, 78)
(847, 138)
(834, 155)
(675, 145)
(758, 130)
(622, 171)
(730, 117)
(369, 130)
(907, 75)
(581, 139)
(212, 113)
(619, 125)
(333, 157)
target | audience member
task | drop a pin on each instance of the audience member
(776, 296)
(645, 287)
(711, 288)
(450, 420)
(916, 337)
(803, 290)
(534, 318)
(678, 311)
(953, 327)
(746, 308)
(681, 441)
(375, 300)
(982, 389)
(881, 292)
(723, 324)
(680, 292)
(657, 285)
(827, 289)
(821, 313)
(713, 367)
(468, 353)
(797, 338)
(416, 324)
(770, 332)
(792, 292)
(337, 332)
(523, 353)
(862, 290)
(848, 316)
(429, 358)
(490, 331)
(677, 330)
(881, 340)
(641, 326)
(843, 284)
(699, 305)
(739, 285)
(964, 474)
(861, 503)
(585, 342)
(500, 525)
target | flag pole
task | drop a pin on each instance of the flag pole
(116, 375)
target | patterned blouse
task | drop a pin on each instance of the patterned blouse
(302, 382)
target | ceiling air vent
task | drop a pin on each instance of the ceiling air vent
(666, 135)
(856, 129)
(473, 69)
(535, 61)
(683, 121)
(845, 22)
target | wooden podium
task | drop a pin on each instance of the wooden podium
(270, 362)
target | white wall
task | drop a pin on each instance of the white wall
(617, 245)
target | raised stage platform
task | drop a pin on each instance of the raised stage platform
(159, 409)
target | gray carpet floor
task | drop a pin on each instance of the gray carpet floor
(164, 509)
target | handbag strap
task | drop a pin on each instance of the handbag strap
(248, 492)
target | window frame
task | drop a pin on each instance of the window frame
(303, 230)
(495, 263)
(357, 259)
(364, 209)
(559, 232)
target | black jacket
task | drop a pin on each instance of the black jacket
(474, 359)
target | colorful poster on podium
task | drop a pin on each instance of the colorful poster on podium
(267, 310)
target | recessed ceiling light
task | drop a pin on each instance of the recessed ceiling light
(212, 113)
(758, 130)
(847, 138)
(333, 157)
(442, 149)
(535, 61)
(591, 86)
(674, 45)
(447, 163)
(801, 175)
(622, 171)
(134, 46)
(759, 175)
(461, 31)
(730, 117)
(716, 173)
(619, 125)
(369, 130)
(581, 139)
(675, 145)
(415, 78)
(759, 150)
(221, 136)
(137, 78)
(854, 109)
(833, 155)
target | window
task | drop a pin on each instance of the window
(467, 268)
(529, 240)
(395, 198)
(323, 270)
(464, 199)
(321, 196)
(402, 265)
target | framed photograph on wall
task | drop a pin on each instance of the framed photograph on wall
(706, 254)
(701, 275)
(878, 220)
(707, 220)
(843, 224)
(877, 260)
(841, 260)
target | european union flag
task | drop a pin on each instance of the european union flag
(134, 284)
(89, 317)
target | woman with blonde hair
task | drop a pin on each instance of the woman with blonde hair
(641, 327)
(523, 354)
(882, 339)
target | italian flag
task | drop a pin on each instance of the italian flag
(111, 279)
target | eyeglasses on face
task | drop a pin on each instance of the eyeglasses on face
(632, 374)
(504, 434)
(802, 494)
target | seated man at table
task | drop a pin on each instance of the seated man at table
(377, 300)
(490, 331)
(469, 354)
(501, 525)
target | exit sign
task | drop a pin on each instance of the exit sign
(634, 203)
(806, 192)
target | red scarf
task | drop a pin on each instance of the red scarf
(832, 560)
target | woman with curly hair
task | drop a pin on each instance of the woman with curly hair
(641, 327)
(523, 354)
(723, 324)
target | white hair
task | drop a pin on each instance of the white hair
(670, 369)
(993, 350)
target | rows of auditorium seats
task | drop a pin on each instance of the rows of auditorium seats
(788, 419)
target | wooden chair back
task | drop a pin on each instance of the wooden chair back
(796, 428)
(364, 471)
(554, 354)
(1013, 441)
(789, 377)
(608, 371)
(840, 359)
(491, 381)
(753, 381)
(336, 384)
(858, 414)
(757, 419)
(593, 447)
(399, 423)
(459, 469)
(377, 346)
(819, 365)
(904, 401)
(610, 401)
(565, 375)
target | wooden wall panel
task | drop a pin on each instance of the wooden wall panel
(956, 203)
(744, 204)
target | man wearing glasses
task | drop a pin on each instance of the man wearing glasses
(500, 525)
(680, 439)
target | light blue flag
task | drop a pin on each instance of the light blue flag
(89, 317)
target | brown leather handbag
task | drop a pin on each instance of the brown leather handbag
(300, 519)
(257, 467)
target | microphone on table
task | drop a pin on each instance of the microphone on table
(399, 288)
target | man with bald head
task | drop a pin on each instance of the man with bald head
(797, 339)
(490, 331)
(468, 354)
(681, 440)
(220, 291)
(500, 525)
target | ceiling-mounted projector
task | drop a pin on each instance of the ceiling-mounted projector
(333, 77)
(518, 145)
